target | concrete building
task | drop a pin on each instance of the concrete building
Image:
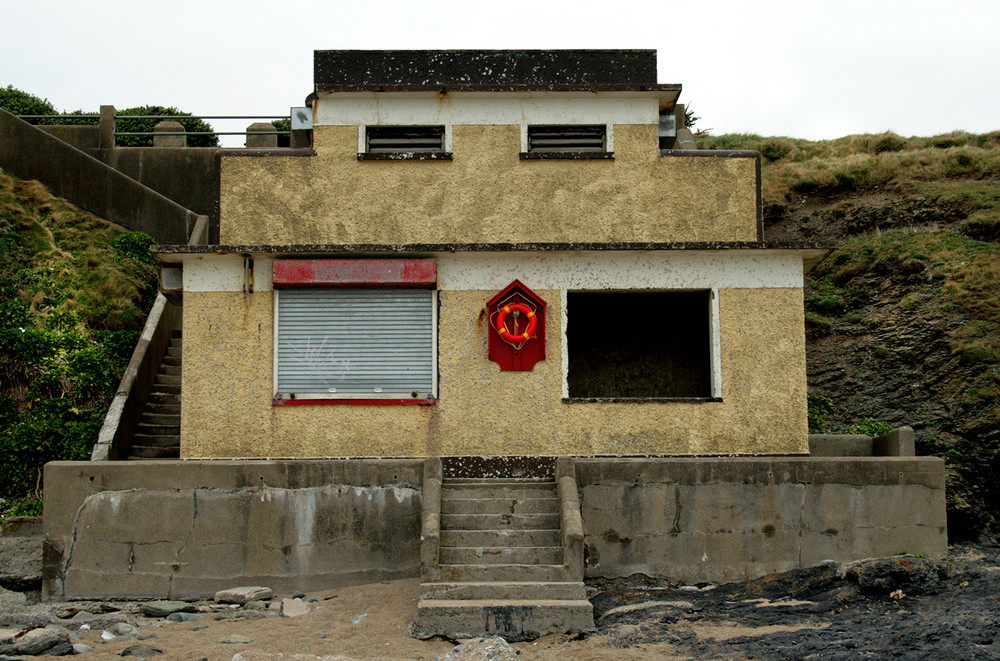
(669, 328)
(493, 328)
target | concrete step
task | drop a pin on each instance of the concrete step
(167, 380)
(548, 537)
(173, 361)
(171, 419)
(156, 440)
(498, 489)
(499, 506)
(147, 452)
(169, 405)
(514, 619)
(166, 388)
(174, 351)
(147, 429)
(500, 521)
(170, 370)
(501, 572)
(504, 590)
(501, 555)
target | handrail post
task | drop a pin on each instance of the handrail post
(570, 518)
(430, 522)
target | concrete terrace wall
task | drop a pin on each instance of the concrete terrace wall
(731, 519)
(188, 529)
(30, 153)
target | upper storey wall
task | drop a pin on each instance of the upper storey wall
(487, 193)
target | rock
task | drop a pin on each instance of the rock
(185, 617)
(298, 594)
(62, 648)
(234, 639)
(255, 605)
(20, 561)
(163, 608)
(885, 575)
(10, 600)
(293, 607)
(242, 595)
(493, 648)
(37, 641)
(358, 618)
(140, 650)
(7, 635)
(80, 648)
(124, 630)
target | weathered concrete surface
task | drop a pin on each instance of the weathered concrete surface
(334, 198)
(228, 392)
(189, 529)
(29, 153)
(20, 562)
(726, 519)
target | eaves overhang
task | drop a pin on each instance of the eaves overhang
(176, 254)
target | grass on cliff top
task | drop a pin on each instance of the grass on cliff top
(956, 168)
(74, 291)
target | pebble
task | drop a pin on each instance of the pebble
(234, 639)
(298, 594)
(165, 607)
(358, 618)
(140, 650)
(185, 617)
(199, 628)
(80, 648)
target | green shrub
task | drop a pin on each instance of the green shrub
(774, 149)
(870, 427)
(27, 507)
(819, 408)
(17, 102)
(126, 125)
(888, 142)
(134, 246)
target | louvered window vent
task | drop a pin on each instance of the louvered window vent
(404, 142)
(577, 141)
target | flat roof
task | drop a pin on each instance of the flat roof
(486, 70)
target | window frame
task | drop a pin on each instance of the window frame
(527, 153)
(366, 154)
(714, 348)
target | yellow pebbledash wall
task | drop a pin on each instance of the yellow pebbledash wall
(228, 384)
(486, 194)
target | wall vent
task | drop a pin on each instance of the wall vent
(545, 139)
(400, 139)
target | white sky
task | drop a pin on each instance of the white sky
(775, 67)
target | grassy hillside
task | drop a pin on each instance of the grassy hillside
(903, 317)
(74, 290)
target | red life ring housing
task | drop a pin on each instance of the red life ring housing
(502, 317)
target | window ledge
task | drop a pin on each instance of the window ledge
(362, 402)
(640, 400)
(570, 155)
(405, 156)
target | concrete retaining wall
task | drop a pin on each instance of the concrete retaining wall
(30, 153)
(726, 519)
(188, 529)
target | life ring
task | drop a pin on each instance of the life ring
(516, 307)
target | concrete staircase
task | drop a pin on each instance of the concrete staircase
(158, 435)
(501, 560)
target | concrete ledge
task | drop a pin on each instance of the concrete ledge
(725, 519)
(181, 529)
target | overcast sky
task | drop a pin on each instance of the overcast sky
(774, 67)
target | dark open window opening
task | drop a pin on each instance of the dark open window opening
(639, 344)
(574, 141)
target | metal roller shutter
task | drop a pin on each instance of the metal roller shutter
(355, 342)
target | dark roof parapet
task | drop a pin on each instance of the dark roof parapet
(486, 70)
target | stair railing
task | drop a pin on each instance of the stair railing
(570, 519)
(115, 438)
(430, 521)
